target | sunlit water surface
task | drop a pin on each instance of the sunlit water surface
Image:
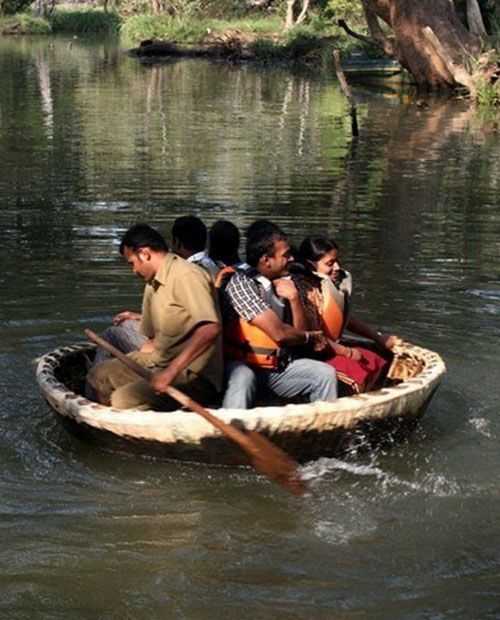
(92, 142)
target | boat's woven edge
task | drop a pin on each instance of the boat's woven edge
(405, 399)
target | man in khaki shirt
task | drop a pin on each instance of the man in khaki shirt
(181, 321)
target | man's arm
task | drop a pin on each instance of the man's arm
(243, 295)
(288, 290)
(197, 343)
(281, 333)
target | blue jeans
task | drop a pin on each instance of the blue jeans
(302, 377)
(125, 337)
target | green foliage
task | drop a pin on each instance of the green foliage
(164, 27)
(265, 50)
(85, 22)
(183, 9)
(24, 23)
(485, 89)
(298, 44)
(301, 42)
(10, 7)
(252, 25)
(487, 94)
(350, 10)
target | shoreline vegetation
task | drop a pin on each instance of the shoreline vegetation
(257, 35)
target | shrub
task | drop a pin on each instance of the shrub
(163, 27)
(86, 22)
(300, 42)
(487, 94)
(24, 23)
(265, 50)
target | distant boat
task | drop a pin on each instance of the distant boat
(372, 67)
(305, 431)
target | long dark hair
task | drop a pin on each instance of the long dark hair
(312, 249)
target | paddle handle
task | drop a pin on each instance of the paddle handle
(186, 401)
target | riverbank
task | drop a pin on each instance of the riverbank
(259, 38)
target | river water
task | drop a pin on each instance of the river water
(92, 142)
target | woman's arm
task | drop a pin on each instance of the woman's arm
(357, 326)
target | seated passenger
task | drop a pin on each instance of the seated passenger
(326, 295)
(224, 244)
(189, 240)
(259, 339)
(181, 322)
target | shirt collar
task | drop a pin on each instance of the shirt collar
(163, 271)
(199, 256)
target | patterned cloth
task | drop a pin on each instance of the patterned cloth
(357, 376)
(245, 297)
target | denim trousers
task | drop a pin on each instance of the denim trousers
(307, 378)
(125, 337)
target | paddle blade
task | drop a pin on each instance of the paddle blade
(275, 463)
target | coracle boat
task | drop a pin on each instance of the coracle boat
(305, 431)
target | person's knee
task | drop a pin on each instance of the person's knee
(242, 377)
(98, 375)
(325, 378)
(128, 397)
(241, 386)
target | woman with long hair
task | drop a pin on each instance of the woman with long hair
(326, 293)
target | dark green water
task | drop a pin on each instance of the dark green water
(90, 143)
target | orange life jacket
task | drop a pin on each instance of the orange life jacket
(335, 310)
(248, 343)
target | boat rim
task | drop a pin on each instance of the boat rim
(348, 410)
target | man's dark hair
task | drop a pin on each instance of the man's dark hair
(191, 232)
(224, 242)
(261, 237)
(143, 236)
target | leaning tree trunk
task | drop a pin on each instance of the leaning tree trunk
(428, 39)
(426, 60)
(295, 14)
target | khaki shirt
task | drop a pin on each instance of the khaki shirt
(179, 298)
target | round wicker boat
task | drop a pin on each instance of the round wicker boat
(305, 431)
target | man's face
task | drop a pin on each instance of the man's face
(276, 265)
(140, 262)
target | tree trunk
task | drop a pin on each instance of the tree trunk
(294, 16)
(475, 19)
(416, 51)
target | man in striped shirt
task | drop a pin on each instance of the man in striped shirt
(260, 297)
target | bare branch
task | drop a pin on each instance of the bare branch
(385, 43)
(356, 35)
(303, 14)
(289, 14)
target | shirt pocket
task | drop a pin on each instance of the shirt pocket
(170, 321)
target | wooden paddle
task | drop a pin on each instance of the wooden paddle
(265, 456)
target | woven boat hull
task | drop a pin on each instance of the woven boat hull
(305, 431)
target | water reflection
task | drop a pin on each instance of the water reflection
(90, 143)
